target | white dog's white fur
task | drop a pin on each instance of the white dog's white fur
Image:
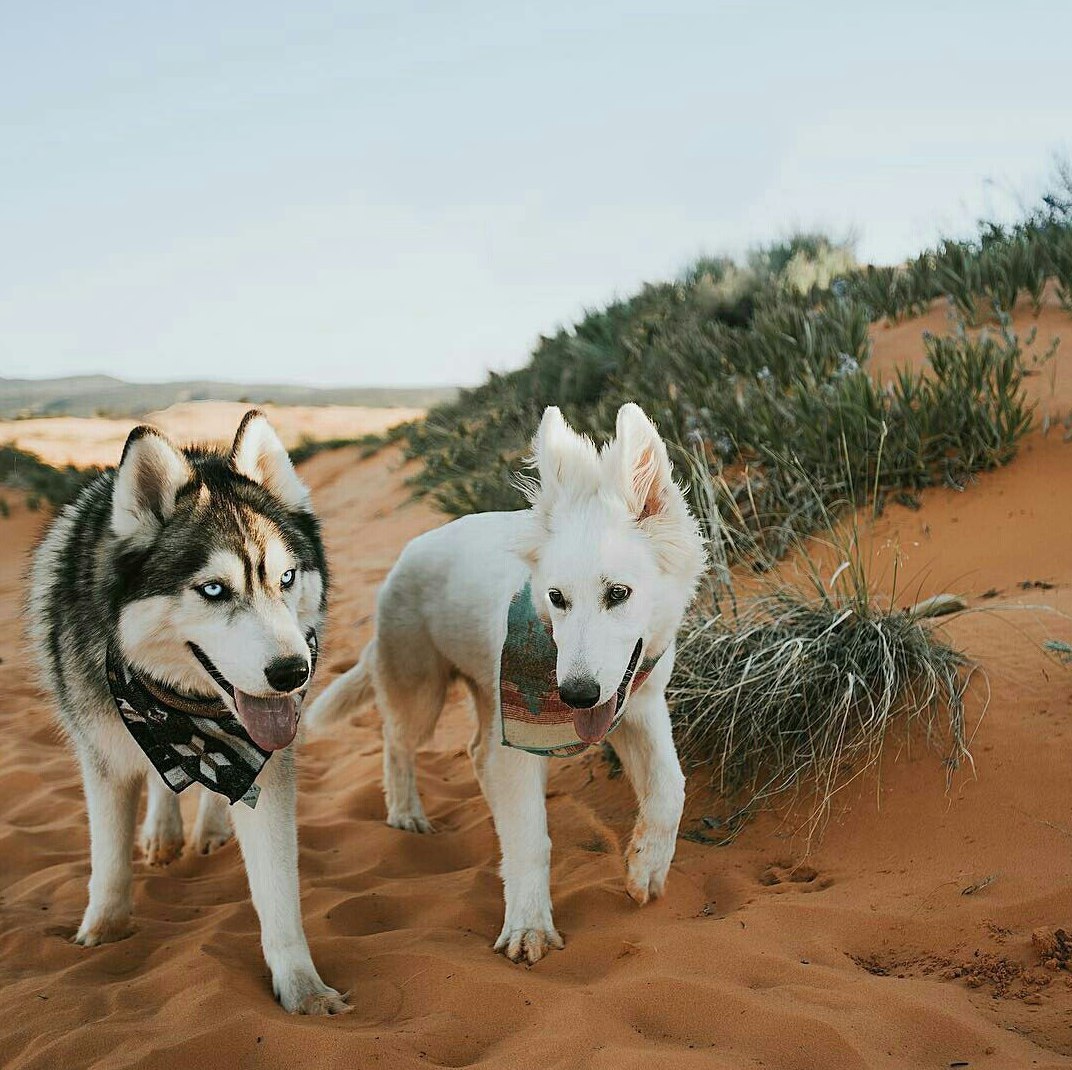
(598, 519)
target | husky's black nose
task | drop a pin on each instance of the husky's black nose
(287, 674)
(579, 692)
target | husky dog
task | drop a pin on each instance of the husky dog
(201, 574)
(612, 557)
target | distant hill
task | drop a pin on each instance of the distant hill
(103, 395)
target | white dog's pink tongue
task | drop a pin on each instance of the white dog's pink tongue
(593, 724)
(271, 722)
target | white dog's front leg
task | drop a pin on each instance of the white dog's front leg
(514, 783)
(269, 841)
(645, 744)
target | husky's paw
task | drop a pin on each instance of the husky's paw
(647, 865)
(161, 847)
(207, 839)
(528, 945)
(104, 930)
(307, 994)
(410, 823)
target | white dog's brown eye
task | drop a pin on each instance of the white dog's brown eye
(286, 581)
(617, 593)
(556, 598)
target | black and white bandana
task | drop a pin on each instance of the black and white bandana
(189, 739)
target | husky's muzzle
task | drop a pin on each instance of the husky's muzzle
(272, 720)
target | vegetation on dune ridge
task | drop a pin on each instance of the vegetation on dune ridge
(786, 330)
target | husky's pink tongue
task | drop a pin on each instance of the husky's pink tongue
(271, 722)
(593, 724)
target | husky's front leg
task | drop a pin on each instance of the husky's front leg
(514, 783)
(212, 827)
(268, 837)
(645, 744)
(161, 832)
(112, 803)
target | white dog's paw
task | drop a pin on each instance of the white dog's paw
(647, 864)
(103, 929)
(161, 845)
(303, 993)
(528, 945)
(410, 823)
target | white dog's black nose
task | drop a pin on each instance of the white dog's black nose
(579, 692)
(287, 674)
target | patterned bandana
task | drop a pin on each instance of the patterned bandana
(190, 739)
(534, 718)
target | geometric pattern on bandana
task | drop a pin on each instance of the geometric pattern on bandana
(185, 748)
(532, 715)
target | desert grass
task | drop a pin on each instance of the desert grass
(788, 693)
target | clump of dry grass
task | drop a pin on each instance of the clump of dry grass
(790, 694)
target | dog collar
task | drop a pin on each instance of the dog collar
(533, 716)
(190, 739)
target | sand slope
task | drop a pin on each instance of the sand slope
(84, 441)
(867, 955)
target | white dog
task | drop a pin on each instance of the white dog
(612, 557)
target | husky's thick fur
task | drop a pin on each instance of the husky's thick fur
(173, 549)
(613, 555)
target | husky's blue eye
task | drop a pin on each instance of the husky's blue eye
(214, 591)
(286, 581)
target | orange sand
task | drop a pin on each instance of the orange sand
(868, 955)
(93, 440)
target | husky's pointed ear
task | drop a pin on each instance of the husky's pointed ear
(642, 467)
(259, 455)
(150, 475)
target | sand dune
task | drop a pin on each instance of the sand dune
(869, 954)
(84, 441)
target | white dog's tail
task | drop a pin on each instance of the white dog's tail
(343, 695)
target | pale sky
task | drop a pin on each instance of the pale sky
(341, 193)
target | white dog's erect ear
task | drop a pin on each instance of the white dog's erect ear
(150, 475)
(640, 468)
(564, 459)
(568, 465)
(258, 454)
(641, 464)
